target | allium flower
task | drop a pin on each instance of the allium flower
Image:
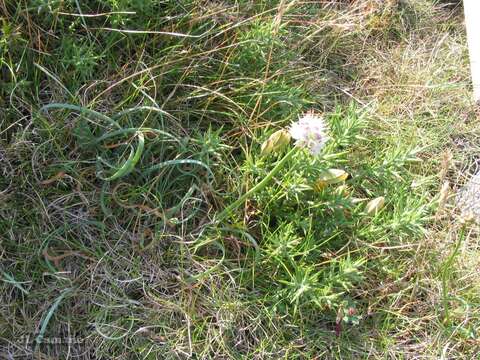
(310, 132)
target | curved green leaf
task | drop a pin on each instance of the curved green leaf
(82, 110)
(132, 160)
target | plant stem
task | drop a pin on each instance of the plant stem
(445, 274)
(228, 210)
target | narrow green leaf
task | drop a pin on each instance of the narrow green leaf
(132, 160)
(81, 110)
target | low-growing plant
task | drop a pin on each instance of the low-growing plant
(313, 208)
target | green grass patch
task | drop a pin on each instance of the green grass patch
(140, 216)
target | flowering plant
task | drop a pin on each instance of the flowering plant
(309, 132)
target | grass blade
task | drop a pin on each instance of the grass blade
(10, 279)
(81, 110)
(178, 162)
(132, 160)
(49, 315)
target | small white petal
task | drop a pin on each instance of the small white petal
(297, 131)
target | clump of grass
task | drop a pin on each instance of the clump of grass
(129, 128)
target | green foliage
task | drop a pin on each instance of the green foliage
(300, 225)
(130, 162)
(79, 59)
(255, 48)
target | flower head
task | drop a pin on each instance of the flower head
(310, 132)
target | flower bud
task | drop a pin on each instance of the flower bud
(275, 143)
(375, 205)
(329, 177)
(342, 190)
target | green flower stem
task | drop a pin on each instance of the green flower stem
(230, 208)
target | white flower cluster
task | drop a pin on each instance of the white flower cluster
(310, 132)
